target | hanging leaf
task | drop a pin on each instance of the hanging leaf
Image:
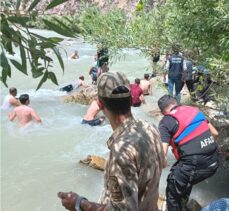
(58, 55)
(37, 72)
(19, 66)
(58, 29)
(4, 61)
(33, 5)
(44, 78)
(55, 39)
(55, 3)
(4, 76)
(6, 69)
(23, 57)
(19, 20)
(18, 3)
(53, 78)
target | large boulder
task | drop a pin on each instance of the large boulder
(95, 162)
(81, 95)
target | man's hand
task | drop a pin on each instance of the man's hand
(68, 200)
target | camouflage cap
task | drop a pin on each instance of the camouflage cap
(107, 82)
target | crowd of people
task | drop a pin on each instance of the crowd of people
(138, 150)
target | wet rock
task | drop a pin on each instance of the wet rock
(193, 205)
(95, 162)
(161, 203)
(81, 95)
(156, 113)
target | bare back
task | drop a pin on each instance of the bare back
(25, 115)
(92, 111)
(145, 86)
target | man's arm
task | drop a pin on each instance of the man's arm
(123, 194)
(99, 71)
(35, 116)
(213, 131)
(83, 84)
(150, 89)
(69, 201)
(14, 102)
(12, 116)
(165, 148)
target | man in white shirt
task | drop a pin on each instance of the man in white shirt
(10, 100)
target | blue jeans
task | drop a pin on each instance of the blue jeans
(177, 83)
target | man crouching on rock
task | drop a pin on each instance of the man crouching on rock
(136, 159)
(187, 130)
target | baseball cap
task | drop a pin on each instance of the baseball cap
(108, 82)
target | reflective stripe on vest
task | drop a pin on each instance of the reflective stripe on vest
(191, 122)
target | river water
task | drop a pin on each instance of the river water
(41, 160)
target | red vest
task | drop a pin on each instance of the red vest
(191, 122)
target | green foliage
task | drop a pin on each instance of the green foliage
(32, 47)
(200, 27)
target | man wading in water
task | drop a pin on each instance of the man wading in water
(136, 156)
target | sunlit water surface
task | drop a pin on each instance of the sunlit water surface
(41, 160)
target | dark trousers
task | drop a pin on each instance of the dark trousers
(182, 177)
(189, 84)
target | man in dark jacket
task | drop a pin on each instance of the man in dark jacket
(175, 66)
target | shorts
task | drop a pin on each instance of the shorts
(93, 122)
(67, 88)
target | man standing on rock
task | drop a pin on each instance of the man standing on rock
(136, 159)
(187, 130)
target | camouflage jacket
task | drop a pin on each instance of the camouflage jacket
(134, 167)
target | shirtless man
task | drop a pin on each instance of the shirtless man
(79, 83)
(75, 85)
(10, 100)
(90, 117)
(145, 85)
(75, 55)
(24, 113)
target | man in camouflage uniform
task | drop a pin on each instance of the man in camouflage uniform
(136, 156)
